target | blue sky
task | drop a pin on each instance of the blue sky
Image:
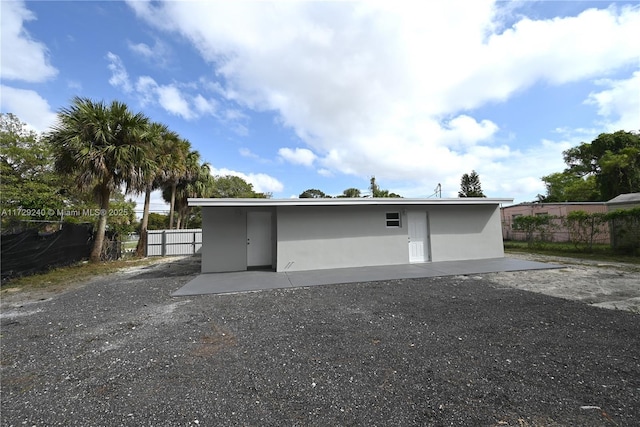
(297, 95)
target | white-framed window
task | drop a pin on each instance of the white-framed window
(393, 219)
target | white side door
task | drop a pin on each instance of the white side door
(417, 223)
(259, 239)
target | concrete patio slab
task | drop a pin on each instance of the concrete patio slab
(248, 281)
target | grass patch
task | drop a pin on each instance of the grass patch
(598, 252)
(60, 277)
(130, 245)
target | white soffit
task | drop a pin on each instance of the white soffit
(346, 202)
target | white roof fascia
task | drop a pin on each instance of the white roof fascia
(387, 201)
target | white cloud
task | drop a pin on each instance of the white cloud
(146, 90)
(298, 156)
(465, 131)
(23, 58)
(175, 98)
(388, 89)
(29, 106)
(141, 49)
(262, 183)
(246, 152)
(205, 106)
(172, 100)
(619, 105)
(157, 53)
(74, 85)
(555, 51)
(119, 76)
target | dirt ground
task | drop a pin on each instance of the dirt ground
(603, 284)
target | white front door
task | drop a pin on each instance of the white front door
(418, 236)
(259, 239)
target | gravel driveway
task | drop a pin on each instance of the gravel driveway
(475, 351)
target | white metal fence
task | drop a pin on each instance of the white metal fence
(174, 242)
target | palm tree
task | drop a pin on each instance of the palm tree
(201, 186)
(100, 146)
(176, 151)
(156, 139)
(186, 186)
(196, 182)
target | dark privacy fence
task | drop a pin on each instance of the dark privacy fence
(39, 249)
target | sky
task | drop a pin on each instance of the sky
(294, 95)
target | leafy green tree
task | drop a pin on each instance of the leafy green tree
(612, 158)
(569, 187)
(313, 193)
(620, 172)
(158, 221)
(28, 181)
(351, 193)
(470, 186)
(99, 146)
(231, 186)
(122, 215)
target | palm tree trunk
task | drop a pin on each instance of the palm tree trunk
(185, 218)
(96, 251)
(141, 249)
(172, 207)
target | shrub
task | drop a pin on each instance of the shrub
(625, 230)
(584, 228)
(537, 228)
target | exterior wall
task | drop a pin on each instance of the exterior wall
(320, 237)
(465, 232)
(630, 205)
(224, 239)
(323, 237)
(560, 234)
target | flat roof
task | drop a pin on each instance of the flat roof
(529, 204)
(344, 201)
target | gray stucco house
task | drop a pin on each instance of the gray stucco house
(311, 234)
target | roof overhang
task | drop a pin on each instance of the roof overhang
(346, 202)
(623, 199)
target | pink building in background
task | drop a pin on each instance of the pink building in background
(560, 234)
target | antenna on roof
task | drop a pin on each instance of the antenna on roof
(437, 192)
